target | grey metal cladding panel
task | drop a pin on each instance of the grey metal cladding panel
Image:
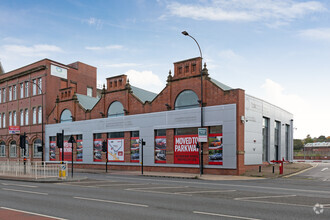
(253, 159)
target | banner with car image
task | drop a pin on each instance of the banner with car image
(160, 149)
(52, 150)
(79, 150)
(116, 149)
(185, 151)
(97, 150)
(215, 149)
(135, 150)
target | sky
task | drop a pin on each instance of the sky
(276, 50)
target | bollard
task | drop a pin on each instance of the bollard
(259, 169)
(273, 169)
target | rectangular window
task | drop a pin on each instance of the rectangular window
(21, 90)
(14, 92)
(36, 153)
(39, 115)
(10, 93)
(4, 94)
(116, 135)
(287, 144)
(10, 119)
(34, 87)
(52, 148)
(98, 147)
(4, 120)
(0, 95)
(0, 120)
(26, 116)
(90, 92)
(22, 117)
(34, 115)
(160, 146)
(277, 140)
(2, 149)
(40, 85)
(79, 141)
(14, 118)
(265, 139)
(215, 142)
(135, 147)
(26, 89)
(185, 150)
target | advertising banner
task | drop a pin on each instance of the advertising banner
(215, 149)
(97, 150)
(79, 150)
(185, 151)
(14, 129)
(58, 71)
(52, 150)
(116, 150)
(135, 150)
(160, 149)
(67, 151)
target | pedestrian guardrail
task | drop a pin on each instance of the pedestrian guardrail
(32, 169)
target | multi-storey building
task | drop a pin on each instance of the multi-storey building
(27, 97)
(242, 131)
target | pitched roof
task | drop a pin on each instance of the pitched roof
(221, 85)
(142, 94)
(87, 102)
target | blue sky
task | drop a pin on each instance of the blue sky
(275, 50)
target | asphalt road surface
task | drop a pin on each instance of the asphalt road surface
(137, 197)
(320, 171)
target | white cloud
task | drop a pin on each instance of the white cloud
(98, 23)
(38, 50)
(278, 11)
(109, 47)
(316, 34)
(145, 80)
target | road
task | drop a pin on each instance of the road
(320, 171)
(138, 197)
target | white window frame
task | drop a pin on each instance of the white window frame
(0, 95)
(2, 150)
(10, 119)
(0, 120)
(12, 150)
(14, 118)
(4, 120)
(14, 92)
(22, 117)
(10, 93)
(26, 116)
(39, 115)
(26, 89)
(89, 91)
(40, 86)
(34, 90)
(4, 94)
(34, 115)
(36, 154)
(22, 90)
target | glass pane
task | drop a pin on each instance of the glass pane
(116, 109)
(186, 99)
(66, 116)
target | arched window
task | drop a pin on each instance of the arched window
(12, 149)
(186, 99)
(2, 149)
(36, 153)
(66, 116)
(116, 109)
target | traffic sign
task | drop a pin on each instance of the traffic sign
(202, 134)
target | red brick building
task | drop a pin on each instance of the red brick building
(27, 97)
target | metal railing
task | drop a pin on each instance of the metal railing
(34, 169)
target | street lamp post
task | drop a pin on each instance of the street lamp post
(200, 52)
(42, 119)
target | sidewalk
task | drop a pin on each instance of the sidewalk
(267, 171)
